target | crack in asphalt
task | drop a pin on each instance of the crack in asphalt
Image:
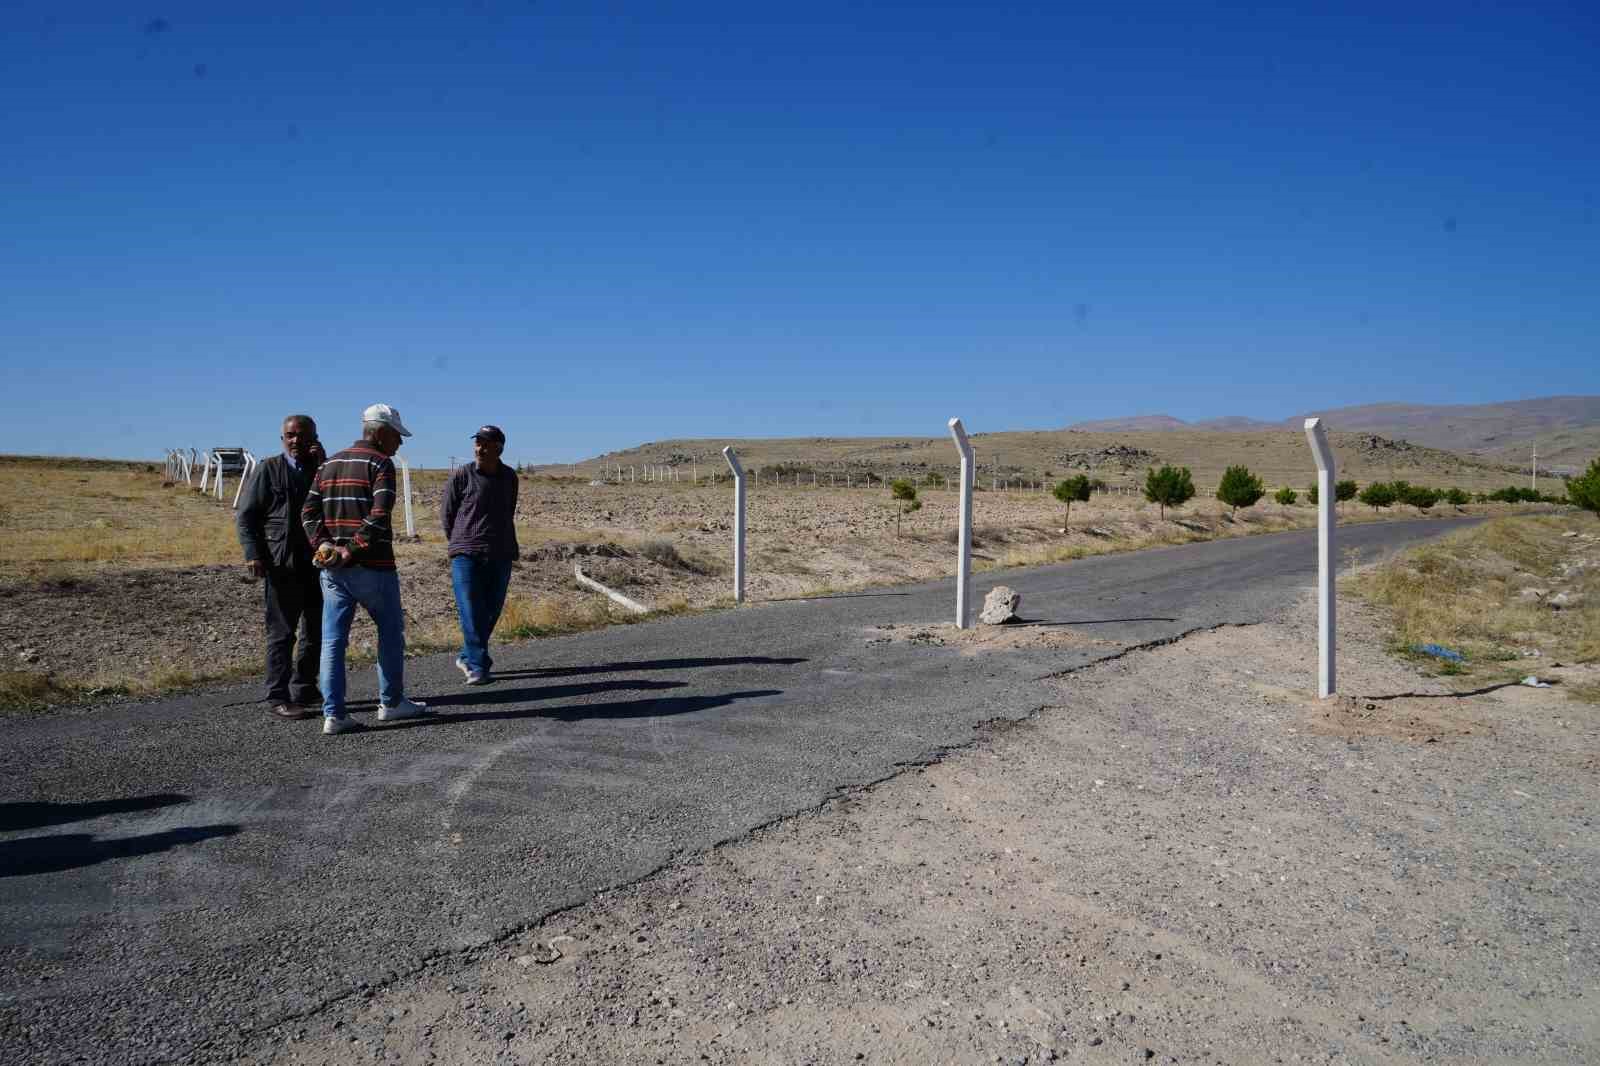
(446, 961)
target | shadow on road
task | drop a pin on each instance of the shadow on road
(14, 816)
(68, 851)
(618, 709)
(549, 692)
(1021, 622)
(648, 664)
(833, 596)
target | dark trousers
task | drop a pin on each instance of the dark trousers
(294, 602)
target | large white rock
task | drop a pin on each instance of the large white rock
(1000, 606)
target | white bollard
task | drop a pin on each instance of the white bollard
(405, 488)
(964, 557)
(1326, 623)
(738, 524)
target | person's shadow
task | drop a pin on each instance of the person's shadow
(648, 664)
(614, 710)
(68, 851)
(24, 815)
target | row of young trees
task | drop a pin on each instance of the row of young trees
(1173, 486)
(1169, 486)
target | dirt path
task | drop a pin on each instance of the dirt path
(1179, 858)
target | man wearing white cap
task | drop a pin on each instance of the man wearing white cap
(346, 518)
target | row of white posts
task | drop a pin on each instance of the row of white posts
(180, 466)
(1326, 473)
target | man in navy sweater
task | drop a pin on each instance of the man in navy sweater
(479, 511)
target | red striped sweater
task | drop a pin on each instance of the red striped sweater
(349, 503)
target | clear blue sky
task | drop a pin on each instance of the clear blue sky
(603, 224)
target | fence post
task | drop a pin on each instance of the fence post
(964, 555)
(1326, 623)
(738, 523)
(405, 486)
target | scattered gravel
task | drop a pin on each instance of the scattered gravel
(1179, 858)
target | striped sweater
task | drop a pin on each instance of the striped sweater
(349, 503)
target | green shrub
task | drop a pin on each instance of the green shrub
(1073, 488)
(905, 492)
(1239, 488)
(1286, 496)
(1377, 495)
(1419, 496)
(1584, 490)
(1344, 490)
(1169, 487)
(1456, 498)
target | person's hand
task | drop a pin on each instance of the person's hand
(258, 569)
(326, 557)
(345, 557)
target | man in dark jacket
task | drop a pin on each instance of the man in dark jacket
(479, 511)
(276, 550)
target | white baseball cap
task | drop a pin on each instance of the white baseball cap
(385, 415)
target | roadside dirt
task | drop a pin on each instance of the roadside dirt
(1181, 857)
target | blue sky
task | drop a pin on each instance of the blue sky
(599, 225)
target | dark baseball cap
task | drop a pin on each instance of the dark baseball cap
(494, 433)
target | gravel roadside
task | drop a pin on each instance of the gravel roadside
(1179, 858)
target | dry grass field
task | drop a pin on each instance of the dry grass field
(119, 585)
(1280, 458)
(1515, 596)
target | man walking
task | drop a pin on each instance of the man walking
(277, 552)
(346, 520)
(479, 510)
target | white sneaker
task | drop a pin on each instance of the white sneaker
(461, 664)
(481, 677)
(332, 727)
(407, 708)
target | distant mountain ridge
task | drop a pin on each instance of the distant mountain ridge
(1565, 429)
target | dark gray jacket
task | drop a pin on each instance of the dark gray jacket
(479, 512)
(269, 514)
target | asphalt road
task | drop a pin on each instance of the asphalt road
(177, 875)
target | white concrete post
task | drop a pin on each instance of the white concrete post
(405, 489)
(244, 475)
(1326, 623)
(217, 485)
(964, 556)
(205, 475)
(738, 523)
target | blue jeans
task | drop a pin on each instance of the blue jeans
(379, 592)
(480, 584)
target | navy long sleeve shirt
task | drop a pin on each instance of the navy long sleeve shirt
(479, 512)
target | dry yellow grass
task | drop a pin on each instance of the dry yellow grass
(1466, 592)
(106, 514)
(1280, 457)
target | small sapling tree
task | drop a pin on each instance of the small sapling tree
(1343, 490)
(1420, 496)
(1311, 494)
(1376, 495)
(1169, 487)
(1239, 488)
(1073, 488)
(1584, 490)
(905, 494)
(1286, 496)
(1456, 498)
